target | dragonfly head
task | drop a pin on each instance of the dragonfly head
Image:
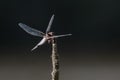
(50, 34)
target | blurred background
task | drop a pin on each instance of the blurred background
(91, 53)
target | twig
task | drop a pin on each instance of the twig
(55, 61)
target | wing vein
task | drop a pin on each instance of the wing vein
(31, 31)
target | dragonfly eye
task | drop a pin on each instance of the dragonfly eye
(50, 34)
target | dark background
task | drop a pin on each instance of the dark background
(91, 53)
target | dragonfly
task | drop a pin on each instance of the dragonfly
(47, 36)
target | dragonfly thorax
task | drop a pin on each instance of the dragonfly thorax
(49, 36)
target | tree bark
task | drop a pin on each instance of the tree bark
(55, 61)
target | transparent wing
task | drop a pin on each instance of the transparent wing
(61, 35)
(40, 43)
(30, 30)
(50, 23)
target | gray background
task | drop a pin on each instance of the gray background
(91, 53)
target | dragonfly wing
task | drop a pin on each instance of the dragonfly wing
(50, 23)
(34, 48)
(30, 30)
(40, 43)
(61, 35)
